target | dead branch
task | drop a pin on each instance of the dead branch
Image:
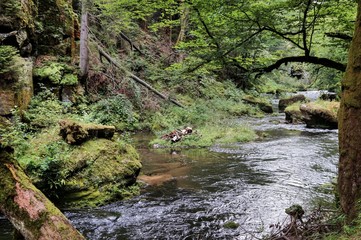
(136, 78)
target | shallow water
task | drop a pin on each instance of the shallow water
(194, 192)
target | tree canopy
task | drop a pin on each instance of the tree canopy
(238, 39)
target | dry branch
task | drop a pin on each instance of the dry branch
(137, 79)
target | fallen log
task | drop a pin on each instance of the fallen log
(76, 133)
(135, 78)
(27, 208)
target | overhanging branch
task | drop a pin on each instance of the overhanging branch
(342, 36)
(307, 59)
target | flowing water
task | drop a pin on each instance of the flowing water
(192, 193)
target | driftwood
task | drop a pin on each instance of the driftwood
(26, 207)
(177, 134)
(135, 78)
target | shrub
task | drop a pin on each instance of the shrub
(117, 111)
(7, 54)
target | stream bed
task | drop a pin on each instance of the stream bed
(193, 193)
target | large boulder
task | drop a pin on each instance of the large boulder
(320, 115)
(285, 102)
(94, 173)
(294, 114)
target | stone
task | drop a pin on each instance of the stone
(324, 117)
(95, 173)
(76, 133)
(283, 103)
(294, 116)
(7, 102)
(17, 88)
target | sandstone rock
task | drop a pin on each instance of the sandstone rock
(283, 103)
(97, 172)
(7, 102)
(17, 87)
(294, 116)
(320, 116)
(76, 133)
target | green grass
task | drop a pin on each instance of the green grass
(212, 122)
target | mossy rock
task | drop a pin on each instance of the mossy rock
(294, 114)
(321, 114)
(95, 173)
(285, 102)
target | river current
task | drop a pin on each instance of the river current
(193, 193)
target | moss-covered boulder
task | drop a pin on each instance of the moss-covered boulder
(285, 102)
(294, 114)
(95, 173)
(76, 133)
(320, 114)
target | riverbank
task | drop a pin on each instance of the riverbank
(249, 184)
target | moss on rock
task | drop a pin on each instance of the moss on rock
(92, 174)
(320, 114)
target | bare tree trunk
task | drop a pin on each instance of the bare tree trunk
(84, 50)
(30, 212)
(349, 175)
(183, 21)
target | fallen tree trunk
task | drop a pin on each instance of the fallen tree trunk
(137, 79)
(26, 207)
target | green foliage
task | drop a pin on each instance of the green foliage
(117, 111)
(44, 109)
(210, 119)
(7, 54)
(49, 167)
(57, 73)
(69, 79)
(15, 134)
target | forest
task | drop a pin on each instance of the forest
(180, 119)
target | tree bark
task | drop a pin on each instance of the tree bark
(84, 50)
(183, 21)
(27, 208)
(349, 173)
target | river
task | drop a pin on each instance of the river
(192, 193)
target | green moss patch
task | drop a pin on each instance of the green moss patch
(97, 172)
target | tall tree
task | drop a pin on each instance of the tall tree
(84, 32)
(349, 176)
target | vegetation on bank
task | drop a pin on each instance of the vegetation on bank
(209, 61)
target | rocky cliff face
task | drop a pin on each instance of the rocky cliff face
(34, 29)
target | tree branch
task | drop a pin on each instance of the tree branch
(342, 36)
(207, 29)
(308, 59)
(134, 77)
(122, 35)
